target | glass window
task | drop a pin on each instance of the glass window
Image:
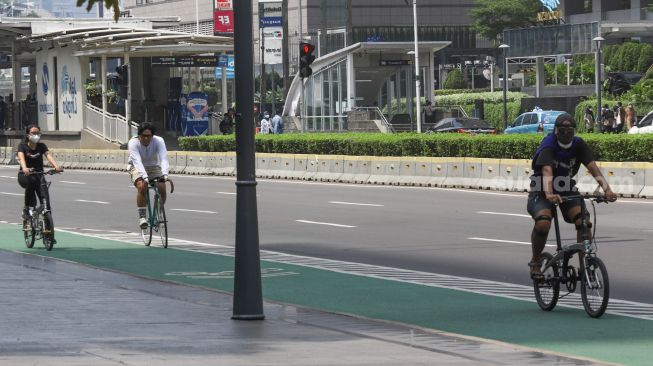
(518, 121)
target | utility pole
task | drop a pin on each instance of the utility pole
(248, 298)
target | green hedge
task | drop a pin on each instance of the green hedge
(620, 147)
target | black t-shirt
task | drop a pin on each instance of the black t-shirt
(33, 158)
(581, 150)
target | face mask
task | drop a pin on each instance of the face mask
(565, 137)
(34, 138)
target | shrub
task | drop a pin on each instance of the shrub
(455, 80)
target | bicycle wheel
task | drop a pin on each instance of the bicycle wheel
(48, 231)
(29, 232)
(146, 233)
(162, 225)
(547, 290)
(595, 287)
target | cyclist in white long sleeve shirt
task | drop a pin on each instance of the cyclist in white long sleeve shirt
(148, 158)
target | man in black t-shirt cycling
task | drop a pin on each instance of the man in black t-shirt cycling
(555, 163)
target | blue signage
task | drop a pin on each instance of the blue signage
(550, 4)
(265, 22)
(230, 67)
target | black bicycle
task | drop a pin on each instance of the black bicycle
(591, 272)
(39, 224)
(156, 214)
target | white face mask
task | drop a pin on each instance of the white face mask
(34, 138)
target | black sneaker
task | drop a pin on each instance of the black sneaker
(26, 215)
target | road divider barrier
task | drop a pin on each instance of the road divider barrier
(626, 179)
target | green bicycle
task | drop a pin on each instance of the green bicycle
(156, 214)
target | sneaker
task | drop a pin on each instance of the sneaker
(26, 215)
(142, 222)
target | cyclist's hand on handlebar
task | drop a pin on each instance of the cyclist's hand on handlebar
(553, 198)
(26, 171)
(610, 196)
(164, 177)
(58, 169)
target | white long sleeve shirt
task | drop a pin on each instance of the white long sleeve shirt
(153, 155)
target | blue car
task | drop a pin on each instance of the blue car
(534, 122)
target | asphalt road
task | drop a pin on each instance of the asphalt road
(478, 234)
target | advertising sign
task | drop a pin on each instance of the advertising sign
(273, 50)
(230, 68)
(184, 61)
(272, 9)
(265, 22)
(196, 115)
(223, 21)
(223, 5)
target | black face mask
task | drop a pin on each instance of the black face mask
(565, 135)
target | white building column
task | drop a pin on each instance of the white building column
(351, 82)
(539, 76)
(103, 79)
(17, 75)
(430, 79)
(128, 100)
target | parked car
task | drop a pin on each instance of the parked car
(534, 122)
(644, 125)
(617, 83)
(462, 125)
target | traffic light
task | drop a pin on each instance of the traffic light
(123, 80)
(306, 58)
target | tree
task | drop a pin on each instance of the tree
(107, 4)
(455, 80)
(492, 17)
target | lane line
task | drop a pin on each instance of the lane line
(100, 202)
(6, 176)
(229, 193)
(508, 241)
(356, 204)
(12, 194)
(324, 223)
(503, 213)
(69, 182)
(187, 210)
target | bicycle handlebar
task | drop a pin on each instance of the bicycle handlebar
(48, 172)
(154, 180)
(594, 197)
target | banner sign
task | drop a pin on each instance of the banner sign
(184, 61)
(273, 51)
(229, 63)
(395, 62)
(223, 5)
(196, 113)
(265, 22)
(223, 21)
(272, 9)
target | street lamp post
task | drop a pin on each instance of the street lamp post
(418, 82)
(504, 47)
(597, 77)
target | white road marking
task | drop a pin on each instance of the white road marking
(324, 223)
(96, 230)
(69, 182)
(6, 176)
(12, 194)
(356, 204)
(502, 213)
(229, 193)
(186, 210)
(508, 241)
(100, 202)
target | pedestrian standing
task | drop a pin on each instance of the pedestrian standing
(631, 116)
(589, 120)
(266, 126)
(277, 123)
(620, 117)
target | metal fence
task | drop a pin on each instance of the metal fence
(111, 127)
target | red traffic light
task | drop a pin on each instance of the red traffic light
(307, 48)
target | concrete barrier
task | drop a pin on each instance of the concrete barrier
(263, 165)
(119, 160)
(300, 166)
(455, 173)
(414, 171)
(385, 170)
(180, 162)
(86, 158)
(225, 163)
(198, 163)
(329, 168)
(282, 166)
(490, 175)
(515, 175)
(3, 155)
(647, 191)
(59, 156)
(625, 179)
(585, 183)
(312, 162)
(356, 169)
(439, 171)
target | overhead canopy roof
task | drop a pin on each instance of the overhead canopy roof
(626, 29)
(116, 41)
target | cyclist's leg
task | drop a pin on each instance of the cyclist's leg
(141, 190)
(542, 212)
(572, 211)
(155, 171)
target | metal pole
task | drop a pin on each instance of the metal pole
(505, 92)
(492, 77)
(248, 298)
(223, 80)
(197, 18)
(417, 77)
(301, 96)
(597, 81)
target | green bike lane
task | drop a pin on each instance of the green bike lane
(612, 338)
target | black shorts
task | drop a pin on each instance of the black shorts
(538, 202)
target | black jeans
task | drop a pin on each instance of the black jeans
(32, 189)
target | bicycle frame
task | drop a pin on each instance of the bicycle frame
(152, 208)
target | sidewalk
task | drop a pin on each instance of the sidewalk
(60, 313)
